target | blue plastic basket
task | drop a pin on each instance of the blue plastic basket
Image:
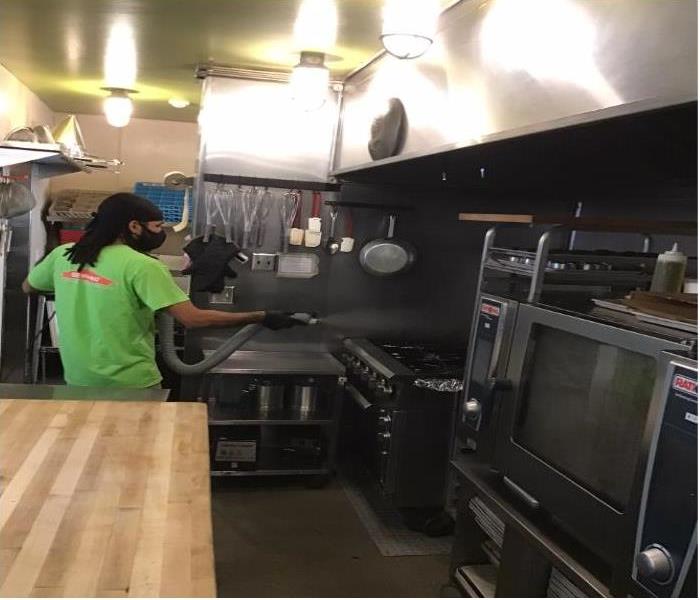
(169, 201)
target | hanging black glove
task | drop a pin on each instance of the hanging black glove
(210, 263)
(279, 320)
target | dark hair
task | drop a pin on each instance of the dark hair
(110, 223)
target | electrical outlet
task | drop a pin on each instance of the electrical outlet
(263, 262)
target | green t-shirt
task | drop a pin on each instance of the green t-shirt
(105, 314)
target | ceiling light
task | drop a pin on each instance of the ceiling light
(409, 27)
(316, 25)
(309, 81)
(178, 102)
(118, 107)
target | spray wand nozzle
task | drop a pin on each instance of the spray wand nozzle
(306, 318)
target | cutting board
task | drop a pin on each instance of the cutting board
(680, 307)
(105, 499)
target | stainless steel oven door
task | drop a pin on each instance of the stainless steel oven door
(486, 364)
(379, 433)
(571, 430)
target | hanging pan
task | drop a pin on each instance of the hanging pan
(387, 256)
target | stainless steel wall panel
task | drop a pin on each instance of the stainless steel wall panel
(502, 67)
(252, 128)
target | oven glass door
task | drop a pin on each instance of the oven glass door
(570, 436)
(583, 408)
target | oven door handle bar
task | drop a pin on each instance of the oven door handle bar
(497, 384)
(359, 399)
(530, 500)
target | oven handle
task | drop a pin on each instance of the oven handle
(529, 499)
(497, 384)
(357, 396)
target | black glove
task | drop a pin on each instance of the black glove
(210, 263)
(275, 320)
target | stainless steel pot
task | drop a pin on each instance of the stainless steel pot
(270, 397)
(304, 399)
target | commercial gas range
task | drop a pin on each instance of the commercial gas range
(400, 408)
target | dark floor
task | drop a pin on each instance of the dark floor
(284, 539)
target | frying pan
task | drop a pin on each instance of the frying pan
(387, 256)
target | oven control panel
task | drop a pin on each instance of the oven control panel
(666, 544)
(487, 362)
(363, 374)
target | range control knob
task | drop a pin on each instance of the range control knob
(655, 563)
(471, 409)
(386, 388)
(384, 437)
(385, 420)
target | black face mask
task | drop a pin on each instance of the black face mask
(147, 240)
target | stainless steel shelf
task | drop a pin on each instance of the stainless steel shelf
(271, 422)
(253, 362)
(231, 415)
(76, 219)
(598, 277)
(271, 472)
(49, 156)
(349, 172)
(321, 186)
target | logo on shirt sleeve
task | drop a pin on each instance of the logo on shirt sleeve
(88, 276)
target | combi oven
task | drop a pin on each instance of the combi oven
(567, 434)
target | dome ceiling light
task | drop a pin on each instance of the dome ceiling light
(409, 28)
(118, 106)
(309, 81)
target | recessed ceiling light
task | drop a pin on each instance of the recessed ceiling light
(178, 102)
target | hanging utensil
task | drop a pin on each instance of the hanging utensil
(332, 245)
(225, 201)
(236, 214)
(228, 201)
(347, 243)
(247, 206)
(252, 201)
(219, 203)
(208, 218)
(264, 213)
(388, 256)
(289, 212)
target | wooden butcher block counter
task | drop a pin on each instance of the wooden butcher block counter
(103, 498)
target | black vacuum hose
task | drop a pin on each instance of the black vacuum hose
(166, 333)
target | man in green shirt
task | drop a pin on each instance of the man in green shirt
(107, 291)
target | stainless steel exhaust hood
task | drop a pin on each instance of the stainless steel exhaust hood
(501, 69)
